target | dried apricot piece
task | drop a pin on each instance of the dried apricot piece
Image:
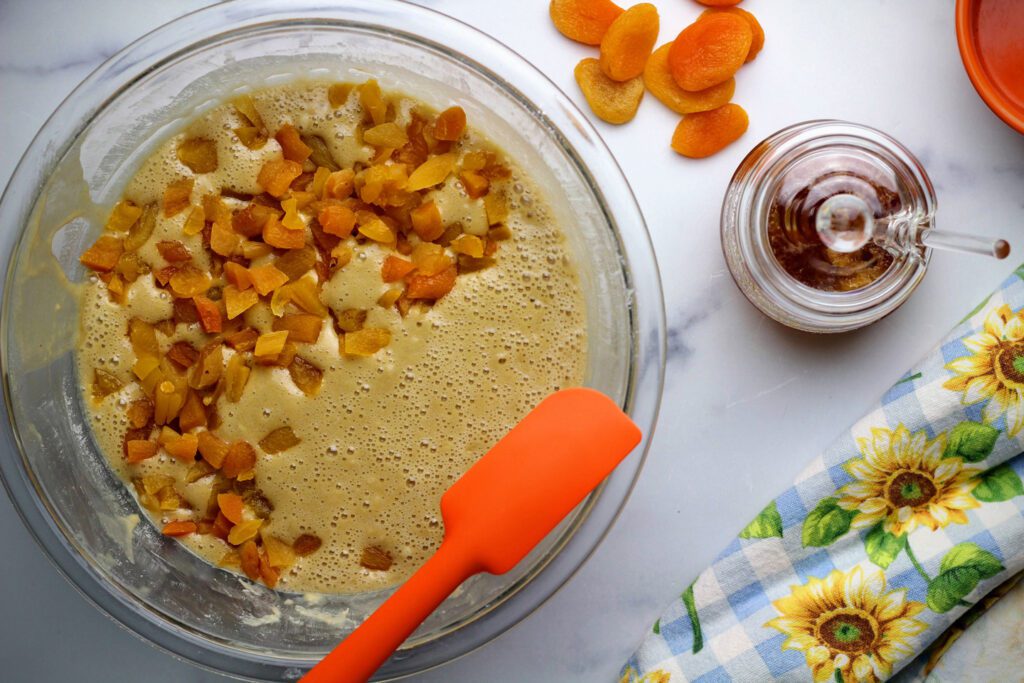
(254, 134)
(450, 124)
(179, 528)
(757, 31)
(395, 268)
(243, 340)
(350, 320)
(249, 221)
(374, 228)
(431, 172)
(704, 133)
(431, 287)
(276, 176)
(192, 414)
(123, 216)
(337, 93)
(103, 255)
(249, 556)
(301, 327)
(389, 135)
(244, 531)
(339, 184)
(189, 282)
(270, 344)
(236, 375)
(183, 354)
(209, 314)
(177, 196)
(297, 262)
(240, 458)
(366, 342)
(141, 449)
(719, 3)
(173, 251)
(426, 221)
(265, 279)
(337, 220)
(470, 245)
(213, 449)
(709, 51)
(307, 377)
(199, 154)
(475, 184)
(658, 79)
(292, 146)
(628, 42)
(585, 21)
(140, 412)
(183, 448)
(237, 302)
(610, 100)
(104, 383)
(276, 235)
(280, 439)
(279, 553)
(372, 101)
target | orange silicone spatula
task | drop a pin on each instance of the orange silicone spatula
(494, 514)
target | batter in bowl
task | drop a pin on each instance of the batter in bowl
(312, 310)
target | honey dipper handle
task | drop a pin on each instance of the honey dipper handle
(370, 645)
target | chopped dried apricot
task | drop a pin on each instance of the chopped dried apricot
(291, 218)
(709, 51)
(249, 556)
(103, 255)
(179, 528)
(249, 221)
(173, 251)
(450, 124)
(242, 340)
(757, 32)
(394, 269)
(292, 146)
(209, 314)
(297, 262)
(140, 449)
(254, 250)
(340, 184)
(426, 221)
(237, 275)
(123, 216)
(130, 266)
(195, 222)
(337, 93)
(373, 101)
(431, 172)
(199, 154)
(701, 135)
(240, 458)
(168, 400)
(183, 448)
(223, 240)
(658, 79)
(301, 327)
(475, 184)
(373, 227)
(585, 21)
(140, 231)
(279, 553)
(276, 235)
(177, 197)
(189, 282)
(236, 375)
(431, 287)
(104, 383)
(276, 176)
(142, 337)
(430, 259)
(208, 367)
(265, 279)
(470, 245)
(192, 414)
(270, 344)
(389, 135)
(628, 42)
(185, 311)
(307, 377)
(140, 412)
(212, 448)
(610, 100)
(269, 575)
(337, 220)
(254, 134)
(376, 558)
(496, 207)
(237, 302)
(367, 341)
(303, 293)
(278, 440)
(244, 531)
(351, 319)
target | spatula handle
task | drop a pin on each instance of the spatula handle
(370, 645)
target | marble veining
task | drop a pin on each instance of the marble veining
(747, 402)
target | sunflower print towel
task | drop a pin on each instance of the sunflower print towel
(905, 522)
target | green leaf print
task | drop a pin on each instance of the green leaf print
(826, 523)
(982, 304)
(766, 525)
(691, 611)
(998, 484)
(882, 547)
(961, 570)
(657, 627)
(971, 441)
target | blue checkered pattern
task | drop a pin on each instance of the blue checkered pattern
(733, 598)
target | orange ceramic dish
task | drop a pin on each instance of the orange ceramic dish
(989, 34)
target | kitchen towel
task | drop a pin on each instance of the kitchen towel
(900, 526)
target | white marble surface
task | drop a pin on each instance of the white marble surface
(747, 402)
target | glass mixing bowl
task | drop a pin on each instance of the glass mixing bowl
(54, 205)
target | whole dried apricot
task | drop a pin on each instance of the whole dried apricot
(704, 133)
(709, 51)
(629, 41)
(658, 79)
(585, 21)
(757, 32)
(610, 100)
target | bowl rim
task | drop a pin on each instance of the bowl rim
(993, 96)
(567, 124)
